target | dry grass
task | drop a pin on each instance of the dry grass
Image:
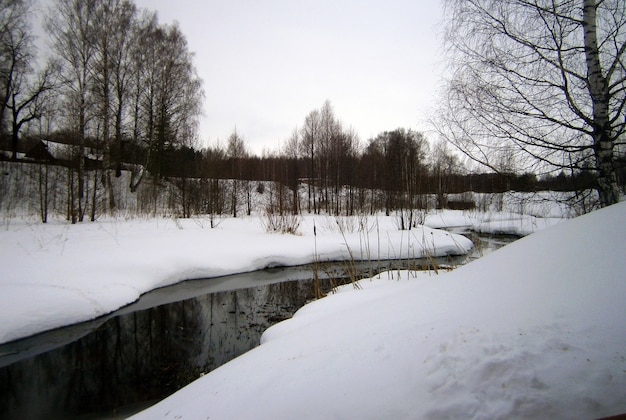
(277, 222)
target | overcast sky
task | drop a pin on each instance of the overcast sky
(266, 64)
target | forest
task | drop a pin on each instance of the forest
(115, 107)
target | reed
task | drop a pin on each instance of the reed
(416, 252)
(316, 268)
(351, 268)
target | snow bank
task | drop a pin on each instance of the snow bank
(58, 274)
(534, 330)
(497, 223)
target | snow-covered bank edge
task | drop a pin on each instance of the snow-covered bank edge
(497, 223)
(534, 330)
(60, 274)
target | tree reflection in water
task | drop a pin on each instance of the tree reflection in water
(146, 355)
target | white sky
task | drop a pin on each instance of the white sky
(266, 65)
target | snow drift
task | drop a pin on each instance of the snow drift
(59, 274)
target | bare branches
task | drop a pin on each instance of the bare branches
(544, 78)
(16, 51)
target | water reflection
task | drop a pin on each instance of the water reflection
(145, 355)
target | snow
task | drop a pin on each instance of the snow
(502, 223)
(533, 330)
(59, 274)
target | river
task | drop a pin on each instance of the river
(127, 360)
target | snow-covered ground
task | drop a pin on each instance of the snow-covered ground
(59, 274)
(534, 330)
(502, 223)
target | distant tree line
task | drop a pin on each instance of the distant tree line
(120, 94)
(323, 168)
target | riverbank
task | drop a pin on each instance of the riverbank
(533, 330)
(59, 274)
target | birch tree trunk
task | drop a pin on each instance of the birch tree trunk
(599, 92)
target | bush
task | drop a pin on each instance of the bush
(280, 222)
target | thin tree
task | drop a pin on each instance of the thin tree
(292, 178)
(44, 129)
(309, 135)
(70, 24)
(543, 79)
(330, 131)
(236, 153)
(124, 36)
(212, 169)
(115, 30)
(444, 165)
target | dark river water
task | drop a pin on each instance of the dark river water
(125, 361)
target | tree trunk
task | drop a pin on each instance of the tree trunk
(606, 182)
(14, 136)
(43, 192)
(81, 162)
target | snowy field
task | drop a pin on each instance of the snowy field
(534, 330)
(58, 274)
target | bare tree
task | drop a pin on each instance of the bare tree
(330, 129)
(443, 165)
(22, 89)
(115, 32)
(214, 158)
(330, 152)
(166, 96)
(543, 79)
(27, 100)
(15, 48)
(335, 147)
(395, 163)
(236, 152)
(308, 146)
(142, 99)
(70, 24)
(46, 185)
(291, 152)
(170, 91)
